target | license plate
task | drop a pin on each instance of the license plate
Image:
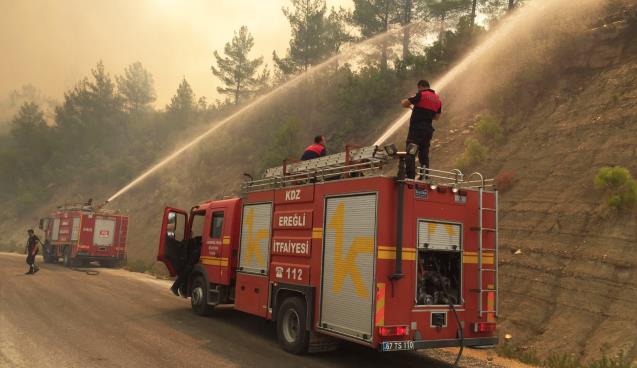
(397, 345)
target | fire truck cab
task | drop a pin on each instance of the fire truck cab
(333, 249)
(81, 233)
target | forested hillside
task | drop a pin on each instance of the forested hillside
(107, 129)
(551, 103)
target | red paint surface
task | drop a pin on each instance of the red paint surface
(399, 307)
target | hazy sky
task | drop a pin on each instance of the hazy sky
(53, 43)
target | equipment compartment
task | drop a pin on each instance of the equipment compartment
(439, 275)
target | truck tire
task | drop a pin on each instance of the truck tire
(68, 261)
(46, 253)
(199, 297)
(290, 325)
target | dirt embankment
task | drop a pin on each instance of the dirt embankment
(572, 287)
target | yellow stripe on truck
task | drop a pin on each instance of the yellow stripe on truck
(472, 258)
(317, 233)
(385, 252)
(214, 261)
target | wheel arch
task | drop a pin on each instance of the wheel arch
(197, 270)
(280, 292)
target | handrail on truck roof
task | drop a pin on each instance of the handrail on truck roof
(355, 162)
(86, 207)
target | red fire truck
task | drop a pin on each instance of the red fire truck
(81, 233)
(332, 248)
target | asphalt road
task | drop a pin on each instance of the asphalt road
(65, 318)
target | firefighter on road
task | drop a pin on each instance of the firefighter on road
(426, 107)
(316, 150)
(31, 251)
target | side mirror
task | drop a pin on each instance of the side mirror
(171, 226)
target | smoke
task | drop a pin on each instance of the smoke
(52, 44)
(506, 50)
(354, 54)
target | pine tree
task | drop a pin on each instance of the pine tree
(374, 17)
(29, 130)
(315, 35)
(444, 12)
(90, 111)
(136, 87)
(407, 10)
(236, 71)
(183, 102)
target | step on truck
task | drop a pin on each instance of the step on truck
(333, 248)
(78, 234)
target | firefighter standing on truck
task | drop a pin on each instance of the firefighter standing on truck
(316, 150)
(427, 107)
(31, 251)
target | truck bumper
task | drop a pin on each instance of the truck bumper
(474, 341)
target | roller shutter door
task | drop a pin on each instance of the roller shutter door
(55, 232)
(438, 236)
(348, 265)
(75, 231)
(255, 238)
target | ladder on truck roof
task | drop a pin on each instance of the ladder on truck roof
(354, 161)
(337, 160)
(492, 234)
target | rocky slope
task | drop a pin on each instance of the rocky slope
(572, 287)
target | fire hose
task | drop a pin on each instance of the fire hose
(88, 272)
(455, 314)
(460, 332)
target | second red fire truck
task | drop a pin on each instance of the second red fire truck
(81, 233)
(333, 249)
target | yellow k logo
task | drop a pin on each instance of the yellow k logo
(254, 238)
(345, 264)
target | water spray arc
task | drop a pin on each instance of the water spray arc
(521, 18)
(486, 46)
(538, 8)
(351, 52)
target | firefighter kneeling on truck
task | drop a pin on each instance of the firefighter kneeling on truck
(32, 250)
(427, 107)
(316, 150)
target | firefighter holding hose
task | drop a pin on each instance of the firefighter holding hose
(32, 250)
(426, 107)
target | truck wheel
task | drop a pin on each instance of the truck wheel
(46, 253)
(68, 261)
(199, 297)
(290, 326)
(67, 257)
